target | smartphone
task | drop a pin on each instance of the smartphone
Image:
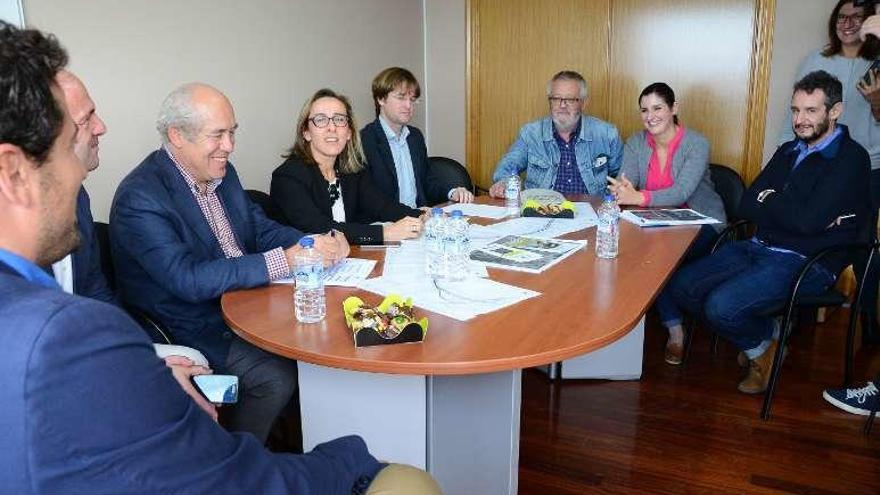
(875, 68)
(219, 389)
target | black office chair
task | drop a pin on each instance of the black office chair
(157, 332)
(449, 173)
(831, 297)
(267, 204)
(730, 186)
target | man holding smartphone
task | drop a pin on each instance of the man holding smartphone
(87, 406)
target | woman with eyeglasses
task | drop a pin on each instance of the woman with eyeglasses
(323, 185)
(667, 164)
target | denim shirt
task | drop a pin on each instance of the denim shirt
(598, 149)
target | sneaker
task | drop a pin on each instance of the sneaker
(852, 400)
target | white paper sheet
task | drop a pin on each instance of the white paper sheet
(409, 260)
(347, 273)
(461, 300)
(477, 210)
(547, 228)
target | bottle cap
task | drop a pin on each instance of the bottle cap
(436, 212)
(306, 242)
(609, 197)
(457, 214)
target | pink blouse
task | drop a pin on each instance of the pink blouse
(658, 179)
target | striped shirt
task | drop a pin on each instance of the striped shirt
(212, 208)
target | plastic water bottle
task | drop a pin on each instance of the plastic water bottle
(448, 241)
(432, 240)
(460, 256)
(308, 297)
(608, 229)
(511, 194)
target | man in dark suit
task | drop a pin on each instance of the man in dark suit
(80, 272)
(183, 231)
(87, 406)
(396, 153)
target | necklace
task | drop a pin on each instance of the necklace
(333, 190)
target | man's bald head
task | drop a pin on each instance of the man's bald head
(197, 125)
(185, 108)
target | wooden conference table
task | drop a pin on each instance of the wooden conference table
(452, 403)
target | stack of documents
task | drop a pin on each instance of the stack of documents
(409, 261)
(347, 273)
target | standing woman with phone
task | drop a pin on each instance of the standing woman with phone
(850, 56)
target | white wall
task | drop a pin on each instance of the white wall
(11, 12)
(267, 56)
(445, 67)
(800, 29)
(270, 55)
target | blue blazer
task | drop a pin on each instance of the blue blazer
(380, 163)
(88, 278)
(168, 262)
(87, 407)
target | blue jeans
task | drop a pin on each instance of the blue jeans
(668, 311)
(733, 286)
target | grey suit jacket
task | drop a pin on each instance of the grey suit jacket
(690, 172)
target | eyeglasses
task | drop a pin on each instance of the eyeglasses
(856, 19)
(558, 101)
(404, 97)
(321, 121)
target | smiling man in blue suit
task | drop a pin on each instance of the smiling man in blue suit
(183, 231)
(87, 407)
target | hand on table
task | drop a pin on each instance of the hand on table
(333, 248)
(183, 370)
(461, 195)
(625, 192)
(497, 189)
(405, 228)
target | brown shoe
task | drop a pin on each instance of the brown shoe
(759, 372)
(674, 352)
(743, 361)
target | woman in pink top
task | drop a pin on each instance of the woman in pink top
(667, 165)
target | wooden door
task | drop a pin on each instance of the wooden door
(516, 47)
(713, 54)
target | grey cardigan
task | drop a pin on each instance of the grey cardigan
(690, 172)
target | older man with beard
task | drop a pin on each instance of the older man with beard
(568, 151)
